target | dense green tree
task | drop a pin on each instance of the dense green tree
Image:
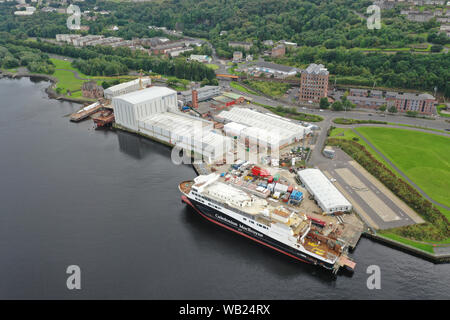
(393, 109)
(324, 104)
(337, 106)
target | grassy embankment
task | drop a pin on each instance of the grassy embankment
(241, 88)
(272, 89)
(348, 121)
(439, 110)
(291, 113)
(349, 134)
(212, 66)
(423, 157)
(68, 81)
(420, 156)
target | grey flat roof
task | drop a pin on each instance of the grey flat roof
(316, 69)
(275, 66)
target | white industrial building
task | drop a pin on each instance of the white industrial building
(133, 106)
(273, 68)
(154, 112)
(189, 133)
(203, 93)
(262, 128)
(126, 87)
(325, 193)
(233, 129)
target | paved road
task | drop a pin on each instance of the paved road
(372, 202)
(319, 160)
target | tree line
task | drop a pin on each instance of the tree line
(399, 70)
(107, 61)
(12, 56)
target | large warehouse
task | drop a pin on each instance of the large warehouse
(133, 106)
(325, 193)
(262, 128)
(126, 87)
(154, 112)
(188, 133)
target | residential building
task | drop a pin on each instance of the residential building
(422, 103)
(314, 83)
(237, 56)
(287, 43)
(367, 102)
(278, 51)
(200, 58)
(239, 44)
(358, 92)
(28, 11)
(167, 47)
(177, 52)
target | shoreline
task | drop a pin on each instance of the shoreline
(434, 258)
(443, 258)
(49, 90)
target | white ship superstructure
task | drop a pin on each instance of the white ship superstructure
(280, 225)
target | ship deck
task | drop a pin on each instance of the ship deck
(185, 186)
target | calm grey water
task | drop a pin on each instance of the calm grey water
(108, 202)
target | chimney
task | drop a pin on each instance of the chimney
(195, 99)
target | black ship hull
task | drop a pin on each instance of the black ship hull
(232, 224)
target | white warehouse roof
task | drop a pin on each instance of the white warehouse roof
(147, 94)
(285, 129)
(326, 194)
(234, 127)
(133, 83)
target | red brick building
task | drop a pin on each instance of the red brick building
(314, 83)
(278, 51)
(422, 103)
(91, 89)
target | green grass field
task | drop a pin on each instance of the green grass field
(349, 134)
(416, 244)
(423, 157)
(68, 81)
(272, 89)
(239, 87)
(212, 66)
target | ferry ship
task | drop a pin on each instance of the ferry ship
(250, 212)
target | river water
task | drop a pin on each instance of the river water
(108, 202)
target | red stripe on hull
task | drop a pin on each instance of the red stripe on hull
(186, 200)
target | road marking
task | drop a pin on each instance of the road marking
(369, 197)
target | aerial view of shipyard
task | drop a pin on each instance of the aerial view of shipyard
(210, 150)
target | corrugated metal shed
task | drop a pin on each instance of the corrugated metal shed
(327, 196)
